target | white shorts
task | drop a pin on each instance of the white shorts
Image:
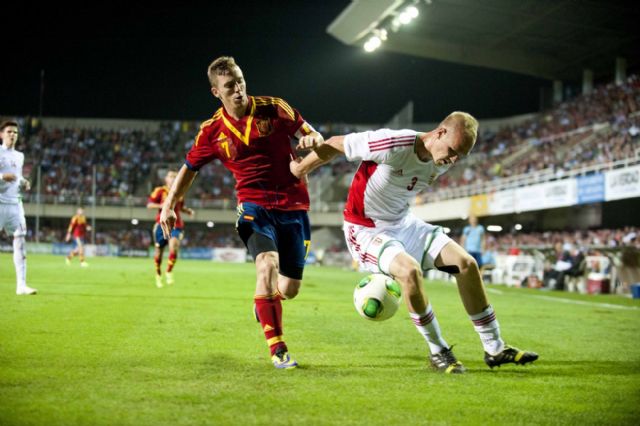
(12, 219)
(375, 248)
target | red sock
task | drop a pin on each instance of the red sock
(158, 261)
(278, 305)
(173, 258)
(270, 313)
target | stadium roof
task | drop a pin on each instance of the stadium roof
(553, 39)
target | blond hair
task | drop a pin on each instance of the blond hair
(220, 66)
(464, 123)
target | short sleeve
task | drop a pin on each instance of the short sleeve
(202, 152)
(294, 122)
(379, 146)
(156, 196)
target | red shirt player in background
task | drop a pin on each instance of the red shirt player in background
(155, 201)
(78, 229)
(251, 136)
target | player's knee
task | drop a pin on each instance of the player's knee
(19, 245)
(468, 264)
(410, 271)
(266, 264)
(290, 289)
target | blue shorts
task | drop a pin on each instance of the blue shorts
(78, 241)
(477, 256)
(289, 230)
(158, 237)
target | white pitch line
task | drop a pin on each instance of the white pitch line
(493, 290)
(582, 302)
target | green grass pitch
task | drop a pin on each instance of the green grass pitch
(103, 346)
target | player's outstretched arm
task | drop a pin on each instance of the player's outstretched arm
(322, 153)
(181, 184)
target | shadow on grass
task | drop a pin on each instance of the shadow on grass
(564, 368)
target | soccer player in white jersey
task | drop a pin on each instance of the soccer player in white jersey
(11, 211)
(384, 237)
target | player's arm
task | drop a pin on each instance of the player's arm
(323, 152)
(8, 177)
(188, 210)
(24, 183)
(154, 200)
(180, 186)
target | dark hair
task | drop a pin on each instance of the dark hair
(8, 123)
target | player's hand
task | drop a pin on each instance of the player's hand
(25, 184)
(9, 177)
(312, 141)
(294, 167)
(191, 212)
(167, 221)
(67, 238)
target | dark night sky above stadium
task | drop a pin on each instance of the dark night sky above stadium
(133, 61)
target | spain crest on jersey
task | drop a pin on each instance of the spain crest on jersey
(265, 128)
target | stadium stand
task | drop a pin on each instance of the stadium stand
(586, 132)
(580, 136)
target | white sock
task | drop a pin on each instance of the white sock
(428, 326)
(488, 329)
(20, 261)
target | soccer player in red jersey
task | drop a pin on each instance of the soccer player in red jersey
(78, 229)
(155, 201)
(251, 136)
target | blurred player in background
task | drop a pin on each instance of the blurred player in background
(78, 230)
(11, 210)
(156, 199)
(251, 135)
(473, 239)
(385, 237)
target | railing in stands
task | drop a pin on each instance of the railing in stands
(540, 176)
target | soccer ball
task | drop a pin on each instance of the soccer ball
(377, 297)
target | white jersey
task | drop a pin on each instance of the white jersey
(11, 161)
(389, 177)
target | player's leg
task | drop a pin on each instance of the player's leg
(17, 226)
(294, 243)
(268, 302)
(159, 243)
(385, 253)
(80, 243)
(454, 259)
(408, 272)
(72, 253)
(256, 229)
(174, 246)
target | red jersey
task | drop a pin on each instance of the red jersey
(158, 196)
(257, 150)
(78, 226)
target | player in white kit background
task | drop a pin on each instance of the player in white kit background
(384, 237)
(11, 211)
